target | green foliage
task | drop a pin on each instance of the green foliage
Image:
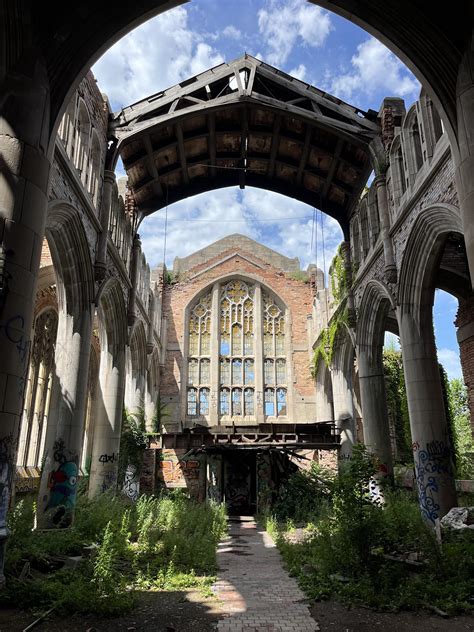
(397, 403)
(339, 280)
(461, 429)
(133, 441)
(164, 542)
(160, 414)
(356, 550)
(324, 350)
(299, 275)
(304, 495)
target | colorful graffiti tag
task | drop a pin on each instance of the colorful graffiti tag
(432, 464)
(62, 485)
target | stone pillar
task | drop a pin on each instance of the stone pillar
(108, 424)
(324, 409)
(132, 294)
(215, 356)
(465, 335)
(258, 325)
(343, 411)
(65, 429)
(24, 174)
(106, 203)
(464, 158)
(429, 430)
(374, 406)
(382, 202)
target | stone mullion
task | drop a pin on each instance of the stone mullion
(259, 368)
(215, 337)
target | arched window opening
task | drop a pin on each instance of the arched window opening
(199, 369)
(237, 347)
(66, 129)
(437, 123)
(275, 374)
(401, 170)
(82, 139)
(95, 168)
(38, 391)
(418, 154)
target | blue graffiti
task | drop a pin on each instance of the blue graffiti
(435, 460)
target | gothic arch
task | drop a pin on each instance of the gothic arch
(376, 302)
(421, 257)
(71, 257)
(136, 368)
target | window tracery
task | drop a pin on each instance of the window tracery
(234, 356)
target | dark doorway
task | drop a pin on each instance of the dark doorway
(240, 482)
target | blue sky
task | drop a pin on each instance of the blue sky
(295, 36)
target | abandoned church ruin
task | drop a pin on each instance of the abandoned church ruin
(222, 351)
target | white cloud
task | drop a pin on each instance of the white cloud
(283, 24)
(232, 32)
(280, 223)
(156, 55)
(374, 68)
(451, 362)
(299, 72)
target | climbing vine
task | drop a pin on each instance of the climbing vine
(325, 346)
(397, 403)
(133, 441)
(337, 272)
(324, 350)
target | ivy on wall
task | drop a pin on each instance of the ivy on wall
(324, 350)
(397, 404)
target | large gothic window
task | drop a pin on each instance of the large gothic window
(274, 359)
(243, 373)
(237, 350)
(199, 352)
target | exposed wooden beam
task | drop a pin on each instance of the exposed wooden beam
(243, 147)
(211, 124)
(151, 166)
(332, 168)
(182, 153)
(304, 155)
(275, 143)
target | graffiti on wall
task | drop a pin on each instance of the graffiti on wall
(432, 465)
(13, 330)
(62, 486)
(214, 468)
(178, 472)
(131, 483)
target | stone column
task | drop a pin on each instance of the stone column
(105, 206)
(374, 406)
(382, 202)
(343, 411)
(108, 424)
(464, 158)
(132, 294)
(258, 325)
(24, 174)
(429, 430)
(65, 429)
(215, 356)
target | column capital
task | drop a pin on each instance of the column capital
(380, 180)
(109, 176)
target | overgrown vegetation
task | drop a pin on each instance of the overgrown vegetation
(133, 441)
(461, 429)
(158, 543)
(324, 350)
(397, 404)
(384, 557)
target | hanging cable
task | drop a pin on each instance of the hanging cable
(312, 234)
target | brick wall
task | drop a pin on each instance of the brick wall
(296, 294)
